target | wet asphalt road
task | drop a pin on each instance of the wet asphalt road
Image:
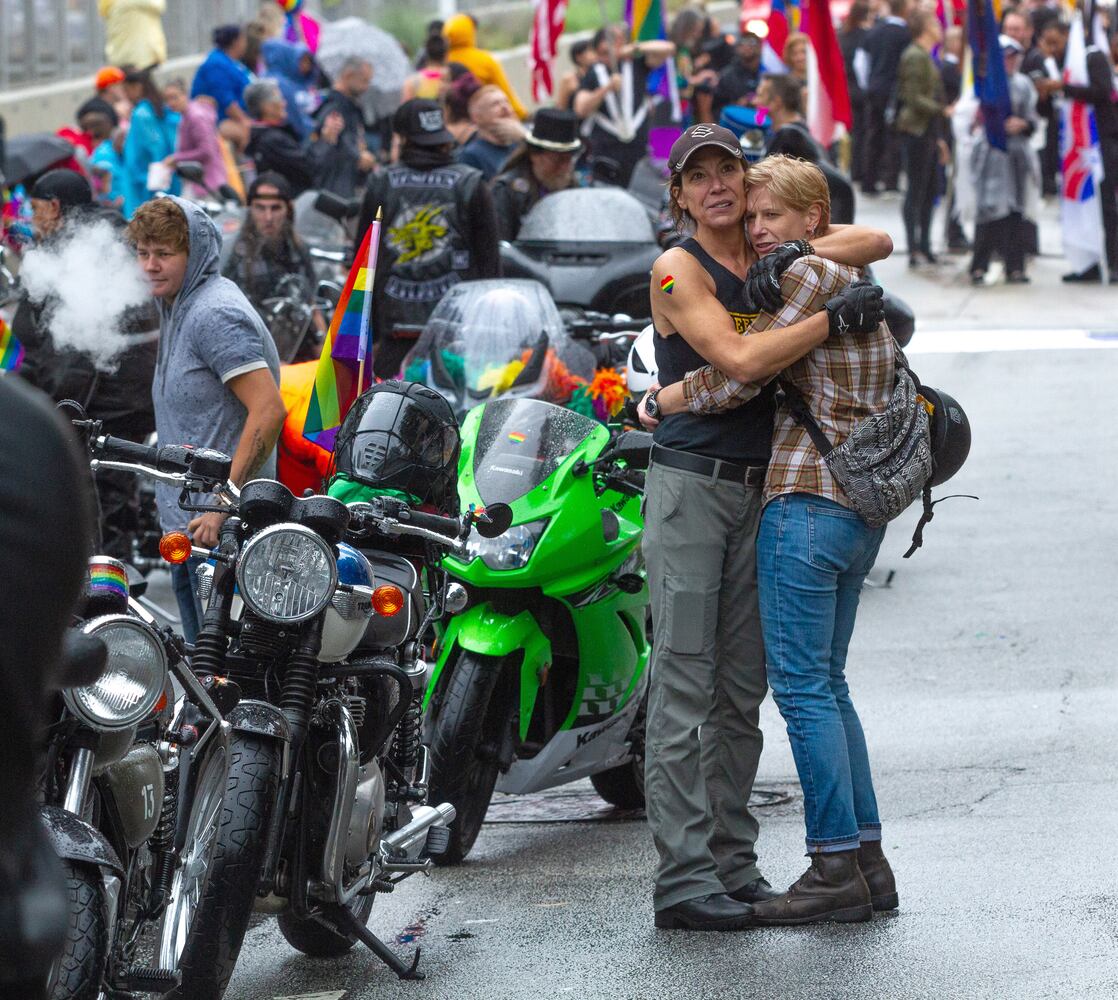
(984, 674)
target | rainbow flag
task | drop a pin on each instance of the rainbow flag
(11, 350)
(342, 373)
(647, 20)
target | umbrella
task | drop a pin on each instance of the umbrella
(28, 155)
(340, 40)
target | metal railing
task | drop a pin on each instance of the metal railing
(44, 41)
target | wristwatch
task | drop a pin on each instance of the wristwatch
(651, 406)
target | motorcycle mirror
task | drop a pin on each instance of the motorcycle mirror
(191, 170)
(456, 598)
(633, 446)
(330, 291)
(498, 520)
(229, 193)
(606, 170)
(336, 207)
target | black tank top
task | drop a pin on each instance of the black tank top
(742, 435)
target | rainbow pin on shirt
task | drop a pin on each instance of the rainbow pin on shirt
(667, 285)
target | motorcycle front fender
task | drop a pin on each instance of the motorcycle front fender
(487, 632)
(75, 840)
(260, 718)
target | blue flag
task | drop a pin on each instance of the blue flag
(991, 86)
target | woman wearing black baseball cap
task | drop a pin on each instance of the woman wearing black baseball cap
(702, 508)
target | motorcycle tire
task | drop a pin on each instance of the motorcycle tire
(315, 939)
(463, 773)
(622, 786)
(226, 905)
(78, 973)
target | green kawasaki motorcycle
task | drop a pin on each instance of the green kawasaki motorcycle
(540, 678)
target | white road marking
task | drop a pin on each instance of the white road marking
(328, 995)
(981, 341)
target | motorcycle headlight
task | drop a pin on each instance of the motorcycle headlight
(512, 550)
(287, 573)
(133, 679)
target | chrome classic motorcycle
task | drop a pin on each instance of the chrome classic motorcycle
(318, 646)
(137, 755)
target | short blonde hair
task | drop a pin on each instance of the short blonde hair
(797, 183)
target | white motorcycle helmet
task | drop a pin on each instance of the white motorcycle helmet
(641, 372)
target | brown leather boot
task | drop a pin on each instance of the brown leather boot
(832, 889)
(878, 876)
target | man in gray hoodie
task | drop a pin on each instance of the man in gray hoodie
(217, 372)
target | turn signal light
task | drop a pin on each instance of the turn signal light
(175, 547)
(388, 600)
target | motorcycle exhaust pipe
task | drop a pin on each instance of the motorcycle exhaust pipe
(403, 840)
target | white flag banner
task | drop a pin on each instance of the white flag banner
(1080, 163)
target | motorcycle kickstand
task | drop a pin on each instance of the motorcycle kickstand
(347, 922)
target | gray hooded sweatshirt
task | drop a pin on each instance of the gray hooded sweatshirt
(208, 335)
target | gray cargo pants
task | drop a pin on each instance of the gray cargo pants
(708, 670)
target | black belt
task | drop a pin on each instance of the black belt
(715, 468)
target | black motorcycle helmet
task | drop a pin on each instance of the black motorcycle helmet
(402, 436)
(950, 434)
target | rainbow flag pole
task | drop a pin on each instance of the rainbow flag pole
(342, 374)
(366, 312)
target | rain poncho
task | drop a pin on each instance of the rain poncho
(134, 32)
(281, 63)
(150, 139)
(1007, 181)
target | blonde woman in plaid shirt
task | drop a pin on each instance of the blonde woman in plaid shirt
(813, 554)
(702, 507)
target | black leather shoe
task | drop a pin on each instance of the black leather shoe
(1091, 276)
(756, 891)
(716, 912)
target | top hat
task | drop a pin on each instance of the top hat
(554, 130)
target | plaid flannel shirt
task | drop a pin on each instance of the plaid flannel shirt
(842, 381)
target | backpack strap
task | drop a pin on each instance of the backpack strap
(802, 415)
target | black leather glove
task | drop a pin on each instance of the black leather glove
(858, 308)
(762, 283)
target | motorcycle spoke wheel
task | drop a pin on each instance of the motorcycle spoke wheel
(194, 868)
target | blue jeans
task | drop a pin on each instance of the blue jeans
(184, 579)
(812, 556)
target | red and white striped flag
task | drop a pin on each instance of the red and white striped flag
(547, 25)
(828, 100)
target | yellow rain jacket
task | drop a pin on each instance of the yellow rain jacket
(134, 32)
(461, 35)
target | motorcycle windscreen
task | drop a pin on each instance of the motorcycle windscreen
(581, 215)
(520, 443)
(497, 338)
